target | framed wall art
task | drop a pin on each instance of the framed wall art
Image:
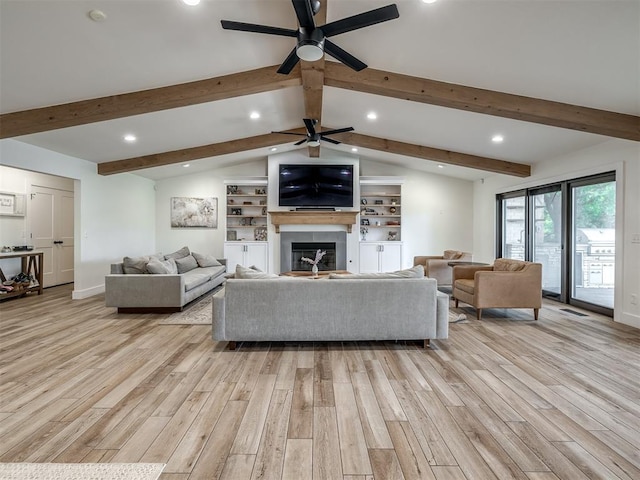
(194, 212)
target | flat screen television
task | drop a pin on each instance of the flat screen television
(315, 186)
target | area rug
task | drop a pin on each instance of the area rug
(80, 471)
(195, 313)
(455, 317)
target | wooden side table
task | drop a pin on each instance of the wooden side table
(31, 264)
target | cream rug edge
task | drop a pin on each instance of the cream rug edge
(81, 471)
(197, 313)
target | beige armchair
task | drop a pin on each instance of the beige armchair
(437, 266)
(505, 284)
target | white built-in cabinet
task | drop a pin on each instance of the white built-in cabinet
(246, 223)
(380, 224)
(380, 257)
(246, 254)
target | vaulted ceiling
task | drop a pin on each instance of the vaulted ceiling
(551, 77)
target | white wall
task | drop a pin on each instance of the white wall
(615, 155)
(204, 184)
(437, 211)
(114, 215)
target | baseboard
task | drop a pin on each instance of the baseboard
(629, 319)
(87, 292)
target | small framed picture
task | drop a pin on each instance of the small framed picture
(261, 191)
(232, 235)
(236, 211)
(232, 189)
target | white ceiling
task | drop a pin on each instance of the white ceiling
(581, 52)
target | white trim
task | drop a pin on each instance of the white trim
(87, 292)
(381, 180)
(245, 181)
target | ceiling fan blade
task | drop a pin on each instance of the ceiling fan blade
(338, 130)
(291, 133)
(251, 27)
(310, 125)
(330, 140)
(304, 13)
(289, 63)
(361, 20)
(345, 57)
(300, 142)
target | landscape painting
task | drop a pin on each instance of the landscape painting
(194, 212)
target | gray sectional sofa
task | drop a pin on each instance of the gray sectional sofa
(330, 309)
(162, 283)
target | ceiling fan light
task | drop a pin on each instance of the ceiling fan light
(309, 52)
(313, 143)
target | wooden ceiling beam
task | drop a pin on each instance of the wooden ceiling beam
(135, 103)
(435, 154)
(351, 138)
(313, 82)
(194, 153)
(488, 102)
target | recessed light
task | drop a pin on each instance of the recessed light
(191, 3)
(429, 1)
(186, 165)
(97, 15)
(497, 139)
(354, 149)
(254, 115)
(440, 166)
(273, 149)
(129, 137)
(372, 115)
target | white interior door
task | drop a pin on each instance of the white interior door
(51, 218)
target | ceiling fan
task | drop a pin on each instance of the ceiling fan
(312, 40)
(312, 137)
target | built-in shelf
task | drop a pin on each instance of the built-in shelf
(313, 218)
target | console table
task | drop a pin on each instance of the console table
(32, 263)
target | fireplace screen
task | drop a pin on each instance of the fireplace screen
(309, 249)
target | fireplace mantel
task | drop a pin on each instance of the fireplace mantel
(313, 218)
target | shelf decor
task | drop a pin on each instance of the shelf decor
(194, 212)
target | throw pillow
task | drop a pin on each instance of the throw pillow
(186, 264)
(452, 255)
(250, 274)
(183, 252)
(162, 267)
(206, 260)
(508, 265)
(414, 272)
(132, 265)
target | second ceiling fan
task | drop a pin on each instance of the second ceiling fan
(313, 137)
(312, 40)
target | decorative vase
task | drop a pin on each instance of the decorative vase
(314, 270)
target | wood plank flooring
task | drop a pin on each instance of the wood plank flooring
(504, 397)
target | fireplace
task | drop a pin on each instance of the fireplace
(308, 250)
(294, 245)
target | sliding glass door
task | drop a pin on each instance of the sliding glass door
(593, 216)
(569, 228)
(546, 236)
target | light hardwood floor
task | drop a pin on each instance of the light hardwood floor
(504, 397)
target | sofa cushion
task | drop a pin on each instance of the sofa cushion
(135, 264)
(186, 264)
(414, 272)
(183, 252)
(160, 267)
(452, 255)
(194, 280)
(205, 260)
(508, 265)
(466, 285)
(250, 273)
